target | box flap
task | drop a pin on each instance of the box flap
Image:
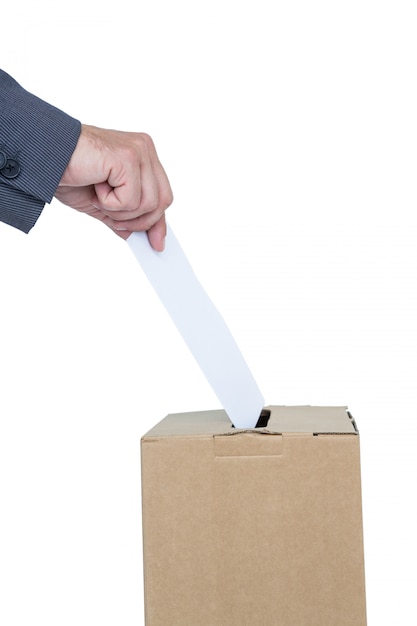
(283, 419)
(311, 419)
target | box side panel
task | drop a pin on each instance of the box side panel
(326, 538)
(291, 551)
(253, 533)
(177, 496)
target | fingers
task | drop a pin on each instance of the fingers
(143, 222)
(156, 234)
(136, 183)
(131, 191)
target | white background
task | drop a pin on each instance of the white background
(288, 131)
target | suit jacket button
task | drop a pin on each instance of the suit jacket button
(11, 169)
(3, 159)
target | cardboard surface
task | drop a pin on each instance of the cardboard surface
(259, 527)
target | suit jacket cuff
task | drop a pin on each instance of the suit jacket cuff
(38, 137)
(18, 209)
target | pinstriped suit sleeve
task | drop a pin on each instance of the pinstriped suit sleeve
(41, 139)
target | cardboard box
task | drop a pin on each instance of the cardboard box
(253, 528)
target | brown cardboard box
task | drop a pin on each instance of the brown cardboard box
(253, 528)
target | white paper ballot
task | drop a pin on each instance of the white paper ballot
(202, 327)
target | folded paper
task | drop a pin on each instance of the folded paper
(202, 327)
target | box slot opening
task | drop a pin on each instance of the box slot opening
(263, 419)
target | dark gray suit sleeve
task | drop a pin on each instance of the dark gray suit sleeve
(36, 144)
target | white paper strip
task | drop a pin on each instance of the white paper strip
(202, 327)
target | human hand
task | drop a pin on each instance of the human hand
(117, 177)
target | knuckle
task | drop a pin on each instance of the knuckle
(167, 199)
(142, 143)
(130, 153)
(147, 139)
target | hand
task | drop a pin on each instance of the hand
(117, 178)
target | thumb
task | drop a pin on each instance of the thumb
(157, 234)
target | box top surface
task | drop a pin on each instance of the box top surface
(283, 419)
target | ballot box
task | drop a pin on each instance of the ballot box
(258, 527)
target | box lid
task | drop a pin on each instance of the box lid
(283, 419)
